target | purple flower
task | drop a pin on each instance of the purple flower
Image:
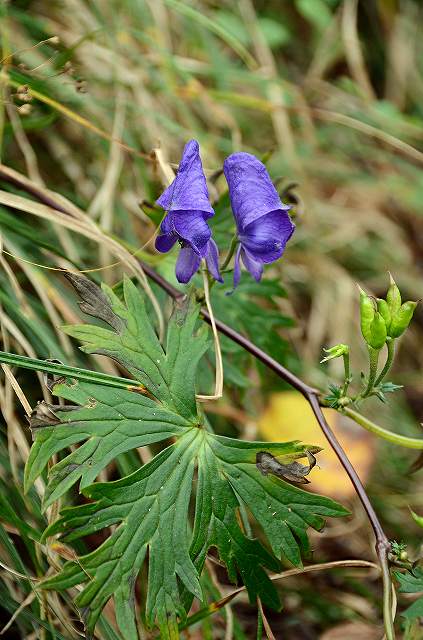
(187, 204)
(264, 226)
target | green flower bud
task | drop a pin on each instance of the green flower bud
(393, 297)
(336, 352)
(378, 332)
(402, 319)
(383, 308)
(367, 314)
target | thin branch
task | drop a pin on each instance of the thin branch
(18, 574)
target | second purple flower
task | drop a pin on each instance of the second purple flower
(263, 224)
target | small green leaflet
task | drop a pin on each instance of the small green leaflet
(150, 509)
(412, 583)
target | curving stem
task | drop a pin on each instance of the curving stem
(389, 360)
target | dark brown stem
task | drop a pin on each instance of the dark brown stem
(309, 393)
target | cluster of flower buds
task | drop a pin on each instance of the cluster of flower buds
(385, 320)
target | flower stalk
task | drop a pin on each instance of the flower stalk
(395, 438)
(388, 364)
(373, 362)
(218, 390)
(231, 252)
(347, 373)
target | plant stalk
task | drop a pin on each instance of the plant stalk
(259, 635)
(347, 373)
(231, 252)
(395, 438)
(373, 362)
(388, 364)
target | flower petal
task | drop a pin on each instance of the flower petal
(166, 225)
(266, 238)
(187, 264)
(193, 229)
(165, 242)
(212, 260)
(250, 188)
(188, 190)
(252, 265)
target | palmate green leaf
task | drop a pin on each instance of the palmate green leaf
(149, 509)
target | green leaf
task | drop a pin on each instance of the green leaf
(227, 477)
(170, 375)
(109, 421)
(151, 506)
(386, 387)
(334, 395)
(417, 519)
(149, 510)
(412, 583)
(414, 611)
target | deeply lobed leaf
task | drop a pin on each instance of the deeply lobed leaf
(149, 509)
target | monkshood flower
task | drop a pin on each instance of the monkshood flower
(186, 202)
(263, 224)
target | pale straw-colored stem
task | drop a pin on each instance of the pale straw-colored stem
(218, 389)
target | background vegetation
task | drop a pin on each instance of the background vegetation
(331, 94)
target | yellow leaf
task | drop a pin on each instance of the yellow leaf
(289, 417)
